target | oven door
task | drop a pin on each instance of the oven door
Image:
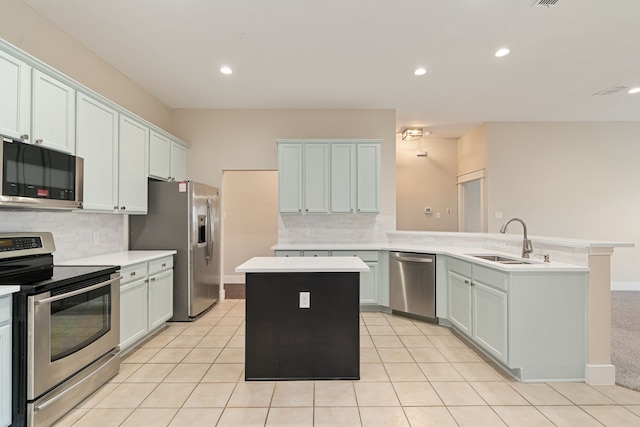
(68, 329)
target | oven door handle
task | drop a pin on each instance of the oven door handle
(77, 291)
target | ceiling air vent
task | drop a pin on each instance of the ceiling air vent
(611, 90)
(546, 3)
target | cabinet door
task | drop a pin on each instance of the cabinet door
(133, 154)
(159, 156)
(133, 312)
(178, 162)
(15, 93)
(368, 178)
(97, 144)
(316, 178)
(369, 284)
(343, 178)
(160, 299)
(460, 302)
(53, 113)
(5, 375)
(490, 319)
(290, 177)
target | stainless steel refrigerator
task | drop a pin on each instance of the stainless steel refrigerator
(184, 216)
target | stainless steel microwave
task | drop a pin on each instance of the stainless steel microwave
(38, 177)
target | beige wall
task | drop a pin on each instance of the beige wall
(426, 182)
(226, 139)
(569, 179)
(250, 218)
(472, 150)
(25, 29)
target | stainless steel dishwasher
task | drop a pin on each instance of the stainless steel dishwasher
(412, 284)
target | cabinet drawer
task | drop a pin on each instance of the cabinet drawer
(288, 253)
(160, 264)
(366, 256)
(460, 267)
(490, 277)
(133, 272)
(5, 309)
(315, 253)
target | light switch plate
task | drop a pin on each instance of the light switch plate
(305, 299)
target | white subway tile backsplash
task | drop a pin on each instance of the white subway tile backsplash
(334, 228)
(73, 233)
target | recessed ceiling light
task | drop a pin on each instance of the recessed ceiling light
(420, 71)
(502, 52)
(226, 70)
(634, 90)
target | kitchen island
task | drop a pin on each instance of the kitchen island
(302, 318)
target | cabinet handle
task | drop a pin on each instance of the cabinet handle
(153, 279)
(164, 264)
(116, 207)
(123, 207)
(466, 282)
(307, 209)
(472, 284)
(133, 273)
(25, 136)
(39, 141)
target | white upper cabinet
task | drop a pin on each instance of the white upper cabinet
(290, 177)
(343, 178)
(167, 158)
(368, 178)
(179, 162)
(159, 156)
(97, 144)
(133, 157)
(316, 178)
(53, 113)
(335, 176)
(15, 93)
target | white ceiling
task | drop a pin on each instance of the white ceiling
(362, 53)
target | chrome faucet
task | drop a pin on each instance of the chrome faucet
(527, 247)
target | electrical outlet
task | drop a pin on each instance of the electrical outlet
(305, 300)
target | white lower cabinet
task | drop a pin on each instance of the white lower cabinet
(160, 292)
(478, 306)
(534, 323)
(133, 312)
(490, 319)
(370, 281)
(146, 299)
(6, 349)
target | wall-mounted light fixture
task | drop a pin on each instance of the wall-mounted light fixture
(411, 134)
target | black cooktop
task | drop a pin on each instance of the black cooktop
(37, 274)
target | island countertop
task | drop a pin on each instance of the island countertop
(303, 265)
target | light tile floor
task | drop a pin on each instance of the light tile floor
(412, 374)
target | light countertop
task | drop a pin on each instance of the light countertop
(8, 290)
(122, 259)
(303, 265)
(464, 253)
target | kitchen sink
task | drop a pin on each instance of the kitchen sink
(502, 259)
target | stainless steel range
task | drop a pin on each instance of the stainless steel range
(66, 328)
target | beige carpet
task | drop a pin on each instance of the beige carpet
(625, 337)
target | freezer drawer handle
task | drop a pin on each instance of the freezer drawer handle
(413, 259)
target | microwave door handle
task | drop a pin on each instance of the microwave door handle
(77, 292)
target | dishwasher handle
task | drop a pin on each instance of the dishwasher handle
(402, 257)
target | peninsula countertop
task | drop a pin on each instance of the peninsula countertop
(303, 265)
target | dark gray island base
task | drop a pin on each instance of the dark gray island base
(285, 341)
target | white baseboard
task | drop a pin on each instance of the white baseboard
(625, 286)
(234, 278)
(221, 295)
(600, 374)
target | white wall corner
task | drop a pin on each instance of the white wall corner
(600, 374)
(625, 286)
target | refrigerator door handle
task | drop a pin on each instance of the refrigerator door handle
(209, 248)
